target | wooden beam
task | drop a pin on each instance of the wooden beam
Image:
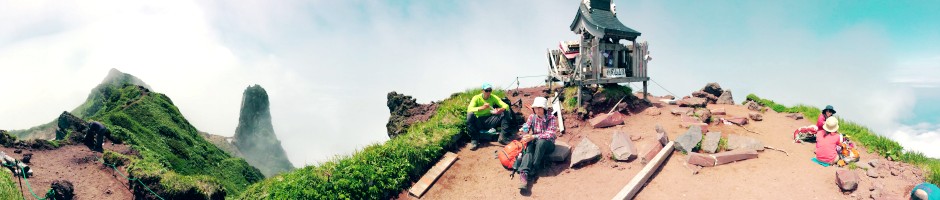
(431, 176)
(638, 181)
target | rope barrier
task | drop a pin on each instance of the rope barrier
(28, 186)
(51, 192)
(132, 179)
(660, 86)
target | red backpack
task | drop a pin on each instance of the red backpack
(507, 156)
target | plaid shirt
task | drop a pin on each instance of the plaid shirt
(542, 127)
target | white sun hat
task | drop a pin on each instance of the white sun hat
(832, 125)
(539, 102)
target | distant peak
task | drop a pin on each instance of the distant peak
(116, 77)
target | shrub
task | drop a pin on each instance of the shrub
(377, 171)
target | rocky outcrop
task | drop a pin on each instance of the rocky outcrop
(72, 126)
(254, 136)
(404, 111)
(725, 98)
(713, 89)
(61, 189)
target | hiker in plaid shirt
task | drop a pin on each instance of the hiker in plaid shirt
(540, 131)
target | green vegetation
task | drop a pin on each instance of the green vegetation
(723, 144)
(614, 92)
(8, 189)
(172, 152)
(378, 171)
(875, 143)
(571, 97)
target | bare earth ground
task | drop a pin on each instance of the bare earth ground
(478, 174)
(77, 164)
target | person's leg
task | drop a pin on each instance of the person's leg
(542, 149)
(525, 166)
(502, 121)
(473, 130)
(100, 141)
(89, 139)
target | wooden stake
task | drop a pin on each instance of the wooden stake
(638, 181)
(431, 176)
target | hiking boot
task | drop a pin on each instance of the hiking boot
(504, 141)
(474, 144)
(523, 181)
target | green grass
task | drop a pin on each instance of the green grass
(864, 136)
(378, 171)
(173, 154)
(571, 97)
(614, 92)
(8, 189)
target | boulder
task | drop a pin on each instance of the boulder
(713, 89)
(703, 114)
(710, 142)
(686, 142)
(846, 180)
(651, 151)
(725, 98)
(734, 156)
(751, 105)
(561, 152)
(710, 98)
(873, 172)
(701, 159)
(27, 157)
(62, 189)
(736, 142)
(738, 120)
(681, 110)
(661, 136)
(719, 111)
(621, 147)
(693, 102)
(585, 153)
(607, 120)
(795, 116)
(756, 116)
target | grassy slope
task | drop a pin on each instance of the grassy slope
(378, 171)
(172, 151)
(866, 137)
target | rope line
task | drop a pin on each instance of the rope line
(660, 86)
(50, 193)
(132, 179)
(28, 186)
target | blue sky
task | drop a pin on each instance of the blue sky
(328, 65)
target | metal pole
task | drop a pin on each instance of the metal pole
(645, 92)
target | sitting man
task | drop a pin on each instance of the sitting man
(808, 133)
(542, 130)
(484, 112)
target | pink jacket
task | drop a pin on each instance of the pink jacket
(826, 146)
(820, 122)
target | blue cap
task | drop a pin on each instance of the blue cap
(487, 86)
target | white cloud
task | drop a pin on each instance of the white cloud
(922, 137)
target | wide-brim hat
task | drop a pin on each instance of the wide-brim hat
(829, 108)
(832, 125)
(539, 102)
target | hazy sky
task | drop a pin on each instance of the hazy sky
(328, 65)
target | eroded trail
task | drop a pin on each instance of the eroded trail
(76, 163)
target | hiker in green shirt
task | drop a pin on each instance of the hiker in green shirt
(486, 111)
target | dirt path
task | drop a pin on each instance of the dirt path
(478, 175)
(77, 164)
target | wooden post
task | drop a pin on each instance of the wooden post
(431, 176)
(645, 92)
(638, 181)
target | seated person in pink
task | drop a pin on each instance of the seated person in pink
(827, 140)
(808, 133)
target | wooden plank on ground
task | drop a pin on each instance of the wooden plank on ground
(638, 181)
(556, 107)
(428, 179)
